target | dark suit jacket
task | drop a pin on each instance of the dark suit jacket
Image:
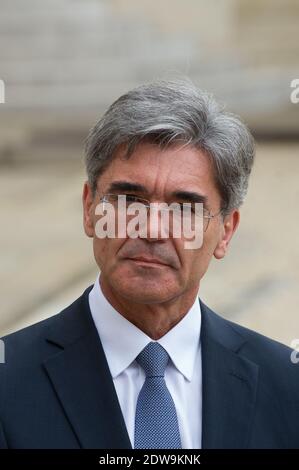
(56, 390)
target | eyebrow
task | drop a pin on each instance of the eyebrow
(127, 186)
(188, 196)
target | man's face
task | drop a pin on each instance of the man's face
(162, 173)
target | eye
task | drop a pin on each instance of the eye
(187, 205)
(131, 198)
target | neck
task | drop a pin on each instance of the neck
(155, 320)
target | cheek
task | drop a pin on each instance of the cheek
(99, 251)
(105, 252)
(196, 262)
(190, 260)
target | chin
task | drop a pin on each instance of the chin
(144, 291)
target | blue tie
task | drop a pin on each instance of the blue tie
(156, 423)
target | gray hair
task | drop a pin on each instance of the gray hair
(167, 112)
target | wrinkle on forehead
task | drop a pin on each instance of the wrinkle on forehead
(162, 171)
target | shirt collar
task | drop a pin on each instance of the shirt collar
(122, 341)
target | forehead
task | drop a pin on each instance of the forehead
(162, 170)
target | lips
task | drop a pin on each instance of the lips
(148, 260)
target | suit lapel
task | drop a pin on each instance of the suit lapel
(229, 385)
(82, 381)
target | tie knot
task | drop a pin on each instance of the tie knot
(153, 359)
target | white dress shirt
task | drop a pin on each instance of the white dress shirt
(122, 342)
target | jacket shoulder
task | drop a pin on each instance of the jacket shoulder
(275, 360)
(30, 341)
(218, 323)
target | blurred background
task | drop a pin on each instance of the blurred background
(64, 61)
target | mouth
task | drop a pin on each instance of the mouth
(148, 262)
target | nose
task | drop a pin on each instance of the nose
(154, 225)
(157, 224)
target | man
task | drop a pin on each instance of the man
(139, 360)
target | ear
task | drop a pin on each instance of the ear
(88, 210)
(228, 228)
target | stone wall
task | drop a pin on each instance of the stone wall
(64, 61)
